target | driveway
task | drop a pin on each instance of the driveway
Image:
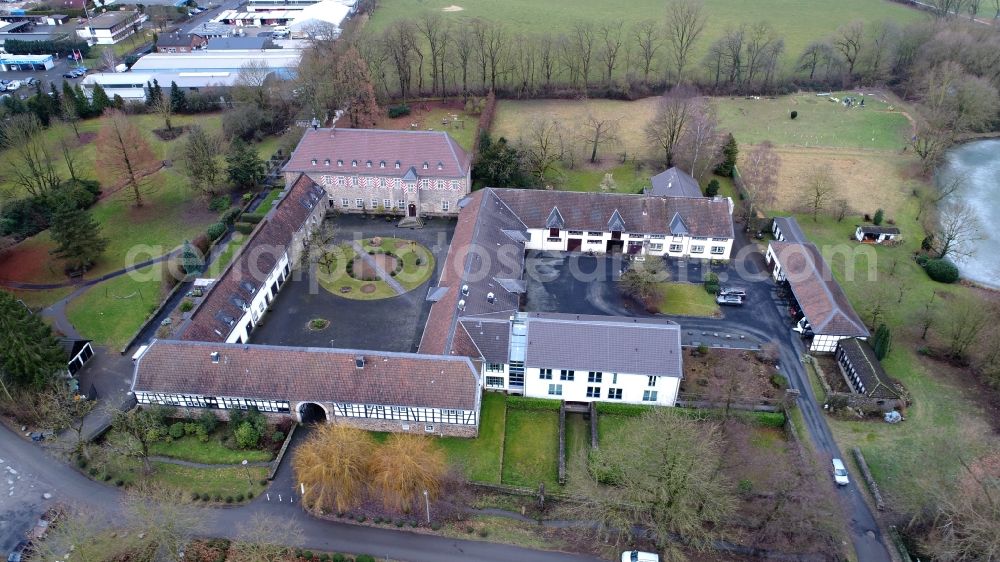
(391, 324)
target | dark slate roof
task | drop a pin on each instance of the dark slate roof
(674, 182)
(638, 213)
(412, 149)
(490, 335)
(176, 39)
(604, 343)
(820, 297)
(872, 229)
(790, 230)
(861, 356)
(304, 373)
(249, 269)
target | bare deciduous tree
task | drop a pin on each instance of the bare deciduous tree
(759, 176)
(648, 36)
(673, 111)
(597, 132)
(817, 190)
(543, 147)
(685, 23)
(849, 41)
(958, 229)
(32, 166)
(961, 325)
(611, 44)
(161, 520)
(265, 538)
(251, 81)
(700, 148)
(434, 30)
(124, 155)
(583, 46)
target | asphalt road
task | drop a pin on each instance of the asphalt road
(102, 502)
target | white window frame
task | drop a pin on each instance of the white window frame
(676, 248)
(345, 202)
(698, 249)
(359, 203)
(649, 395)
(718, 250)
(445, 205)
(555, 389)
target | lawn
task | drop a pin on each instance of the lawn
(236, 242)
(687, 299)
(578, 480)
(418, 261)
(531, 449)
(941, 420)
(607, 425)
(189, 448)
(480, 458)
(437, 116)
(109, 313)
(798, 22)
(334, 277)
(820, 121)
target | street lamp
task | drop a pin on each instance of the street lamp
(249, 480)
(427, 504)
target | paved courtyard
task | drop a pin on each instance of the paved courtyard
(392, 324)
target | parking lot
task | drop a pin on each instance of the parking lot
(55, 74)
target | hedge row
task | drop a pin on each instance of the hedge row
(524, 403)
(616, 409)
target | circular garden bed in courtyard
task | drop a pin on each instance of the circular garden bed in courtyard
(343, 271)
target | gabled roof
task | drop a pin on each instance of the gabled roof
(874, 380)
(177, 39)
(674, 182)
(872, 229)
(604, 343)
(413, 149)
(820, 297)
(677, 226)
(490, 335)
(307, 373)
(616, 223)
(248, 271)
(555, 219)
(790, 230)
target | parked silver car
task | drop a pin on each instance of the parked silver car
(729, 300)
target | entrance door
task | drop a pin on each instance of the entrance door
(574, 244)
(615, 246)
(411, 211)
(634, 248)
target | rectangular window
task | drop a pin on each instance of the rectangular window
(656, 236)
(595, 241)
(576, 233)
(676, 247)
(719, 239)
(494, 367)
(566, 375)
(444, 206)
(614, 378)
(614, 394)
(656, 247)
(593, 392)
(387, 203)
(649, 396)
(595, 234)
(400, 204)
(555, 390)
(374, 202)
(697, 249)
(718, 250)
(650, 381)
(345, 202)
(553, 233)
(699, 238)
(545, 374)
(359, 203)
(595, 377)
(494, 381)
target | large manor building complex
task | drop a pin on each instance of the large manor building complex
(477, 335)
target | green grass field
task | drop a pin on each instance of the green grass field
(110, 312)
(940, 421)
(820, 122)
(798, 22)
(480, 458)
(687, 299)
(189, 448)
(531, 449)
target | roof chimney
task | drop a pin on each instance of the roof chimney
(491, 298)
(461, 304)
(215, 357)
(315, 123)
(465, 290)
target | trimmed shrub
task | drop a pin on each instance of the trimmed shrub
(208, 421)
(941, 270)
(219, 204)
(794, 114)
(119, 482)
(922, 259)
(767, 419)
(229, 499)
(177, 430)
(614, 409)
(398, 111)
(278, 436)
(186, 305)
(247, 197)
(249, 495)
(246, 436)
(435, 526)
(252, 218)
(307, 555)
(523, 403)
(879, 215)
(239, 497)
(779, 381)
(195, 496)
(360, 518)
(712, 189)
(230, 215)
(243, 227)
(712, 283)
(205, 497)
(215, 231)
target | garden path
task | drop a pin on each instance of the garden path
(382, 273)
(189, 464)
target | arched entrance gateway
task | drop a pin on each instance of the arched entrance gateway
(411, 210)
(311, 412)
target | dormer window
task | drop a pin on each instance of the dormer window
(440, 165)
(397, 164)
(327, 161)
(368, 164)
(340, 162)
(354, 163)
(425, 165)
(381, 164)
(313, 161)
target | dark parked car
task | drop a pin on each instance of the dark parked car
(19, 553)
(69, 75)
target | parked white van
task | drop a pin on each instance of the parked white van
(639, 556)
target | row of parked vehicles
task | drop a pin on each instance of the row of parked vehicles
(14, 85)
(76, 72)
(731, 296)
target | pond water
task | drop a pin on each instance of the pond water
(979, 162)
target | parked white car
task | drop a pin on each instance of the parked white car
(14, 85)
(840, 473)
(639, 556)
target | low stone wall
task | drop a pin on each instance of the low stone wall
(276, 463)
(869, 479)
(562, 444)
(593, 425)
(396, 426)
(853, 400)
